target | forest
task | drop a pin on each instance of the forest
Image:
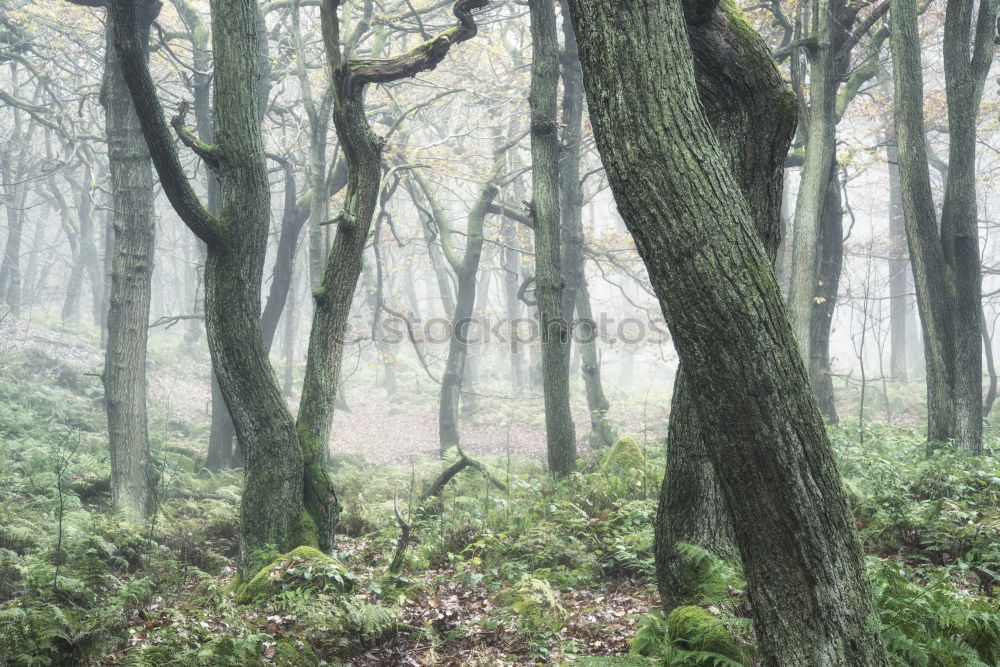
(499, 332)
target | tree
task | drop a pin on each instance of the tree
(287, 498)
(131, 277)
(728, 66)
(695, 232)
(559, 429)
(576, 292)
(946, 263)
(134, 239)
(466, 269)
(832, 37)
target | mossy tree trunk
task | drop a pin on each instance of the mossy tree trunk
(221, 432)
(549, 284)
(729, 64)
(834, 81)
(968, 54)
(698, 237)
(831, 262)
(363, 153)
(820, 154)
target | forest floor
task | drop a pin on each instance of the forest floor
(535, 572)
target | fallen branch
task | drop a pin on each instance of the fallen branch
(178, 494)
(458, 466)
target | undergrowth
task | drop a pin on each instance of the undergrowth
(540, 572)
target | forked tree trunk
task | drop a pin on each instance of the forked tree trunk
(946, 265)
(698, 237)
(271, 510)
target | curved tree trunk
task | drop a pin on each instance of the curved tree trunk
(708, 263)
(692, 507)
(271, 507)
(333, 297)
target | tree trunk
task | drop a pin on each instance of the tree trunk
(825, 303)
(898, 262)
(816, 171)
(966, 63)
(10, 270)
(570, 190)
(131, 278)
(946, 269)
(554, 330)
(926, 254)
(88, 249)
(363, 151)
(692, 507)
(271, 507)
(466, 271)
(576, 296)
(511, 284)
(697, 236)
(602, 433)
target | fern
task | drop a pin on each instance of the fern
(688, 636)
(706, 577)
(933, 624)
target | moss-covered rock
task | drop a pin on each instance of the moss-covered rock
(303, 567)
(626, 456)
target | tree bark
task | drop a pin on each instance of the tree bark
(727, 67)
(559, 429)
(466, 271)
(576, 295)
(602, 434)
(697, 236)
(363, 152)
(816, 170)
(968, 54)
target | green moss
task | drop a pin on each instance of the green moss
(789, 101)
(302, 567)
(305, 531)
(625, 456)
(738, 22)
